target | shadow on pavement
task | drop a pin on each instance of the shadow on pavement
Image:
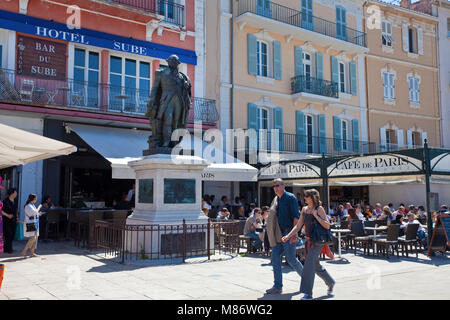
(281, 296)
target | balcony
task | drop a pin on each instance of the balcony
(299, 24)
(314, 90)
(98, 97)
(173, 12)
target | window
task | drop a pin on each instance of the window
(261, 54)
(391, 139)
(341, 77)
(386, 33)
(129, 84)
(262, 118)
(416, 138)
(344, 128)
(413, 90)
(341, 23)
(309, 133)
(388, 85)
(307, 69)
(448, 27)
(86, 77)
(412, 37)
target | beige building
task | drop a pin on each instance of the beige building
(402, 82)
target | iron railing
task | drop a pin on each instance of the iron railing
(173, 12)
(302, 20)
(171, 242)
(315, 86)
(92, 96)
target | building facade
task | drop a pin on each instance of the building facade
(83, 73)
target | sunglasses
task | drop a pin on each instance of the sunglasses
(276, 185)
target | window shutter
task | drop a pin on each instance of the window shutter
(352, 67)
(337, 133)
(383, 139)
(405, 37)
(355, 132)
(322, 134)
(301, 131)
(252, 59)
(298, 60)
(411, 89)
(400, 138)
(277, 60)
(341, 23)
(391, 85)
(319, 65)
(420, 40)
(335, 70)
(383, 26)
(409, 139)
(385, 84)
(278, 124)
(252, 116)
(424, 136)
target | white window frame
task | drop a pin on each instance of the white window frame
(413, 83)
(344, 137)
(86, 70)
(344, 74)
(259, 65)
(313, 132)
(389, 85)
(386, 33)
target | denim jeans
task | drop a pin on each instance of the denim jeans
(289, 250)
(254, 236)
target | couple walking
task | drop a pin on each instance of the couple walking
(284, 222)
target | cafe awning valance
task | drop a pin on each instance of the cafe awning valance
(120, 146)
(19, 147)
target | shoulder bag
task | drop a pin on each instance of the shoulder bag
(319, 235)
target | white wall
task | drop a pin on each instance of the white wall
(407, 194)
(444, 72)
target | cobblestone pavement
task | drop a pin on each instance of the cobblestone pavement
(63, 271)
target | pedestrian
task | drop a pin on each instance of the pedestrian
(313, 210)
(31, 219)
(10, 219)
(283, 216)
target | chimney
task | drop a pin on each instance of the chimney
(405, 3)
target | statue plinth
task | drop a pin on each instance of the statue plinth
(156, 150)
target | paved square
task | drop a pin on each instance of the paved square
(63, 271)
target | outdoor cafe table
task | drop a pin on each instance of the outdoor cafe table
(339, 231)
(375, 229)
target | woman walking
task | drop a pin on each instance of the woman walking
(31, 225)
(312, 210)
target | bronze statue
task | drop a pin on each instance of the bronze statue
(168, 107)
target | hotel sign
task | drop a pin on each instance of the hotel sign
(377, 164)
(41, 58)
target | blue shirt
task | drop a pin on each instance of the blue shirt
(287, 210)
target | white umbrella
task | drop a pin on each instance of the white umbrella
(21, 147)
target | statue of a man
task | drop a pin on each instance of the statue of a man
(170, 100)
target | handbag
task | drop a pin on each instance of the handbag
(320, 236)
(30, 227)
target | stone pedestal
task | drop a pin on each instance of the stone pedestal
(168, 190)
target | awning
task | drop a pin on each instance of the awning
(18, 147)
(119, 146)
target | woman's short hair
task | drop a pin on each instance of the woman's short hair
(314, 195)
(387, 211)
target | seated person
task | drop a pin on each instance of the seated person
(385, 218)
(421, 234)
(339, 213)
(124, 203)
(223, 215)
(250, 227)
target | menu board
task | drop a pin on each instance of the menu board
(145, 191)
(440, 237)
(179, 191)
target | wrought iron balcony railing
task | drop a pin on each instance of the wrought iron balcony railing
(172, 12)
(315, 86)
(92, 96)
(302, 20)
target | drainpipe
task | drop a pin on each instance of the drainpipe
(231, 63)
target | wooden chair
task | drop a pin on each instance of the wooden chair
(410, 238)
(390, 241)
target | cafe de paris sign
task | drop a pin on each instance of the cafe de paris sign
(290, 170)
(374, 165)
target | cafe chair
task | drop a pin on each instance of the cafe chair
(357, 229)
(26, 90)
(410, 238)
(359, 237)
(82, 229)
(391, 241)
(52, 219)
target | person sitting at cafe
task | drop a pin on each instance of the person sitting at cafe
(339, 213)
(376, 213)
(400, 211)
(252, 208)
(386, 216)
(367, 213)
(223, 215)
(224, 203)
(421, 234)
(359, 213)
(240, 213)
(253, 223)
(124, 203)
(351, 217)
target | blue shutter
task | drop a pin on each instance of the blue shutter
(319, 65)
(263, 8)
(278, 124)
(301, 131)
(252, 59)
(337, 133)
(335, 70)
(355, 131)
(252, 116)
(341, 23)
(352, 67)
(322, 135)
(307, 14)
(277, 60)
(298, 61)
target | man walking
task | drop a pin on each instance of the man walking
(283, 215)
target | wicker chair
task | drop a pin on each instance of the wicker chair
(410, 238)
(390, 241)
